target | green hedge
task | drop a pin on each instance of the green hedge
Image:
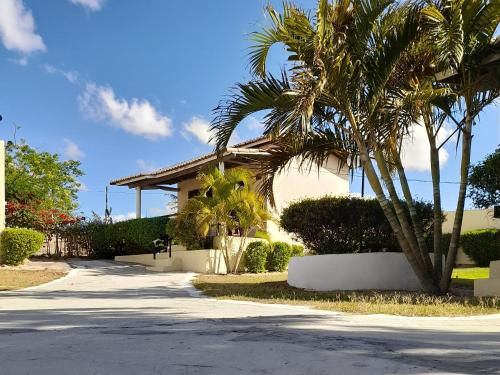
(18, 244)
(297, 250)
(126, 237)
(337, 225)
(482, 246)
(278, 258)
(256, 255)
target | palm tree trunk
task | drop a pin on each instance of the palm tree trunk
(423, 277)
(459, 211)
(419, 233)
(436, 189)
(241, 249)
(400, 212)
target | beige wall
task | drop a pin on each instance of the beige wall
(294, 184)
(473, 219)
(184, 188)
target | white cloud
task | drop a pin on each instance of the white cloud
(135, 116)
(123, 217)
(23, 61)
(146, 166)
(70, 75)
(17, 28)
(92, 5)
(72, 151)
(199, 128)
(416, 150)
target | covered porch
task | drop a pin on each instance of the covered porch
(169, 178)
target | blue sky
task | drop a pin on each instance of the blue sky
(125, 86)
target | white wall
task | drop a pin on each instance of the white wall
(379, 271)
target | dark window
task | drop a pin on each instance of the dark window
(193, 193)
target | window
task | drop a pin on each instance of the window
(193, 193)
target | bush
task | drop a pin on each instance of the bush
(279, 257)
(297, 250)
(482, 246)
(17, 244)
(256, 255)
(182, 229)
(338, 225)
(129, 237)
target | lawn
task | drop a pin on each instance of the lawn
(466, 276)
(11, 279)
(273, 288)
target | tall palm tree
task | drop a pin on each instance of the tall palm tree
(348, 91)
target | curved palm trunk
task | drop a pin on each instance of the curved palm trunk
(419, 233)
(400, 212)
(459, 211)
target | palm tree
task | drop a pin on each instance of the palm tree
(349, 92)
(227, 203)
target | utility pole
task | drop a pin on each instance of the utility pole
(363, 182)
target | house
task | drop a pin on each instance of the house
(331, 179)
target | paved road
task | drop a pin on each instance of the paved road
(115, 319)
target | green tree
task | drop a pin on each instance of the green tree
(484, 181)
(349, 91)
(227, 203)
(40, 179)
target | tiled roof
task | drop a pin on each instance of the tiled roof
(186, 163)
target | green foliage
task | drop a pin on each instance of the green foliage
(297, 250)
(337, 225)
(256, 256)
(484, 181)
(183, 230)
(263, 235)
(40, 179)
(129, 237)
(17, 244)
(482, 246)
(278, 258)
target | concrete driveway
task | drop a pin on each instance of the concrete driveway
(109, 318)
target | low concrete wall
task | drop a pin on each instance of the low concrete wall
(489, 287)
(201, 261)
(380, 271)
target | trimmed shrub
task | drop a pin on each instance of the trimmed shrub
(297, 250)
(279, 257)
(339, 225)
(256, 255)
(482, 246)
(129, 237)
(18, 244)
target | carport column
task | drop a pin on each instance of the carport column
(138, 202)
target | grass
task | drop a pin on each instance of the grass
(19, 279)
(273, 288)
(466, 276)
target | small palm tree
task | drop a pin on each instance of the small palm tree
(227, 203)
